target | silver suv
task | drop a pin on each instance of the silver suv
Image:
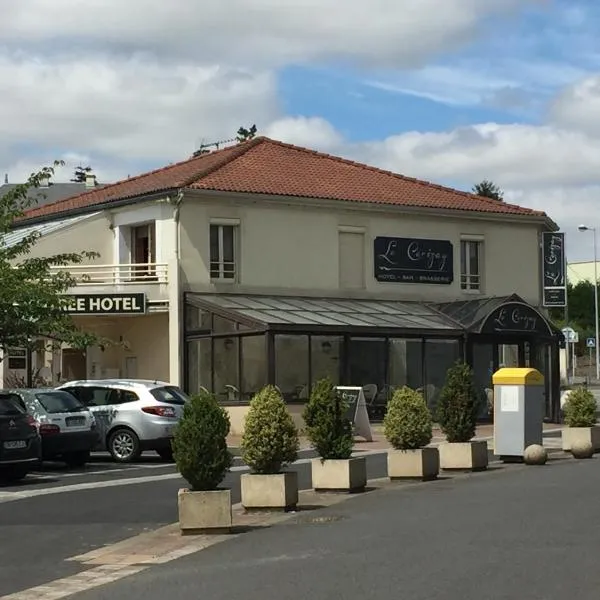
(132, 415)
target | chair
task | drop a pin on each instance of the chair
(232, 392)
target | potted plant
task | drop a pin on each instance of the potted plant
(203, 459)
(457, 412)
(408, 427)
(580, 419)
(270, 443)
(331, 433)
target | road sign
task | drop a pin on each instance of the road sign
(590, 343)
(571, 336)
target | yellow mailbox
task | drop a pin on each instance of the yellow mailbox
(519, 408)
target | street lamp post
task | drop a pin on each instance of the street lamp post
(593, 230)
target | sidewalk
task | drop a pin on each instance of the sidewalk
(485, 431)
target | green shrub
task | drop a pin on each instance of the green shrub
(327, 426)
(459, 404)
(270, 441)
(408, 424)
(580, 408)
(200, 443)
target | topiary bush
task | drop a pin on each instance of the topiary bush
(327, 426)
(407, 424)
(200, 443)
(580, 408)
(459, 404)
(270, 441)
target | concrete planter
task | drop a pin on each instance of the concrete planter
(423, 464)
(204, 512)
(349, 475)
(467, 456)
(585, 434)
(270, 492)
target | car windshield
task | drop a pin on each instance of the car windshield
(59, 402)
(10, 405)
(169, 395)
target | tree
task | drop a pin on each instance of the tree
(488, 189)
(81, 173)
(32, 295)
(243, 134)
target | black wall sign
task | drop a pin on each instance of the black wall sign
(554, 269)
(351, 398)
(411, 260)
(515, 318)
(107, 304)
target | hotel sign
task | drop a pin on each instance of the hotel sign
(554, 269)
(107, 304)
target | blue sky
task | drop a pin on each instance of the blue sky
(451, 91)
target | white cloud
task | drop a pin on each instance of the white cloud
(388, 32)
(578, 106)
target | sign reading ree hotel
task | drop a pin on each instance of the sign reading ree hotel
(107, 304)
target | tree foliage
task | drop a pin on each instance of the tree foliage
(580, 408)
(459, 404)
(488, 189)
(32, 295)
(407, 423)
(327, 426)
(80, 174)
(200, 443)
(243, 134)
(270, 441)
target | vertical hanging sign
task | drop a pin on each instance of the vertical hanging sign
(554, 269)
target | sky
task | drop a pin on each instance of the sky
(451, 91)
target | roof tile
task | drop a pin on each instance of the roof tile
(265, 166)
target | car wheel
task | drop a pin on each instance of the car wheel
(124, 445)
(77, 459)
(166, 454)
(14, 473)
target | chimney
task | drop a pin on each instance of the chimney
(44, 182)
(5, 177)
(90, 180)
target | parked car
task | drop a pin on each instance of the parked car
(132, 416)
(20, 443)
(66, 426)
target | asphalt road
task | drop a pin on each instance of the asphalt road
(516, 532)
(57, 513)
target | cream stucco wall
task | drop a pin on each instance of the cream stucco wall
(294, 248)
(90, 235)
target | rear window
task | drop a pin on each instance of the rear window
(169, 395)
(11, 405)
(59, 402)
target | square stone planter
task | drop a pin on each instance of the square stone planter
(423, 464)
(349, 475)
(204, 512)
(467, 456)
(586, 434)
(270, 492)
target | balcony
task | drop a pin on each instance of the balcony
(149, 278)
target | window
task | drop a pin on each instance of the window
(11, 406)
(169, 395)
(470, 265)
(59, 402)
(143, 250)
(17, 358)
(222, 252)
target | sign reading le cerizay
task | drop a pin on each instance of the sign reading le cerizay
(107, 304)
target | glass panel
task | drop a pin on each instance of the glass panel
(254, 365)
(508, 355)
(222, 325)
(226, 374)
(326, 357)
(214, 251)
(291, 365)
(474, 258)
(440, 355)
(228, 251)
(366, 366)
(197, 319)
(199, 365)
(405, 364)
(483, 369)
(463, 258)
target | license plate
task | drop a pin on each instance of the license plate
(75, 421)
(15, 445)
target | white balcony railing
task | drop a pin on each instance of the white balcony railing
(130, 274)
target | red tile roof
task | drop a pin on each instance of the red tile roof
(265, 166)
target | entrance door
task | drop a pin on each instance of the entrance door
(143, 250)
(367, 358)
